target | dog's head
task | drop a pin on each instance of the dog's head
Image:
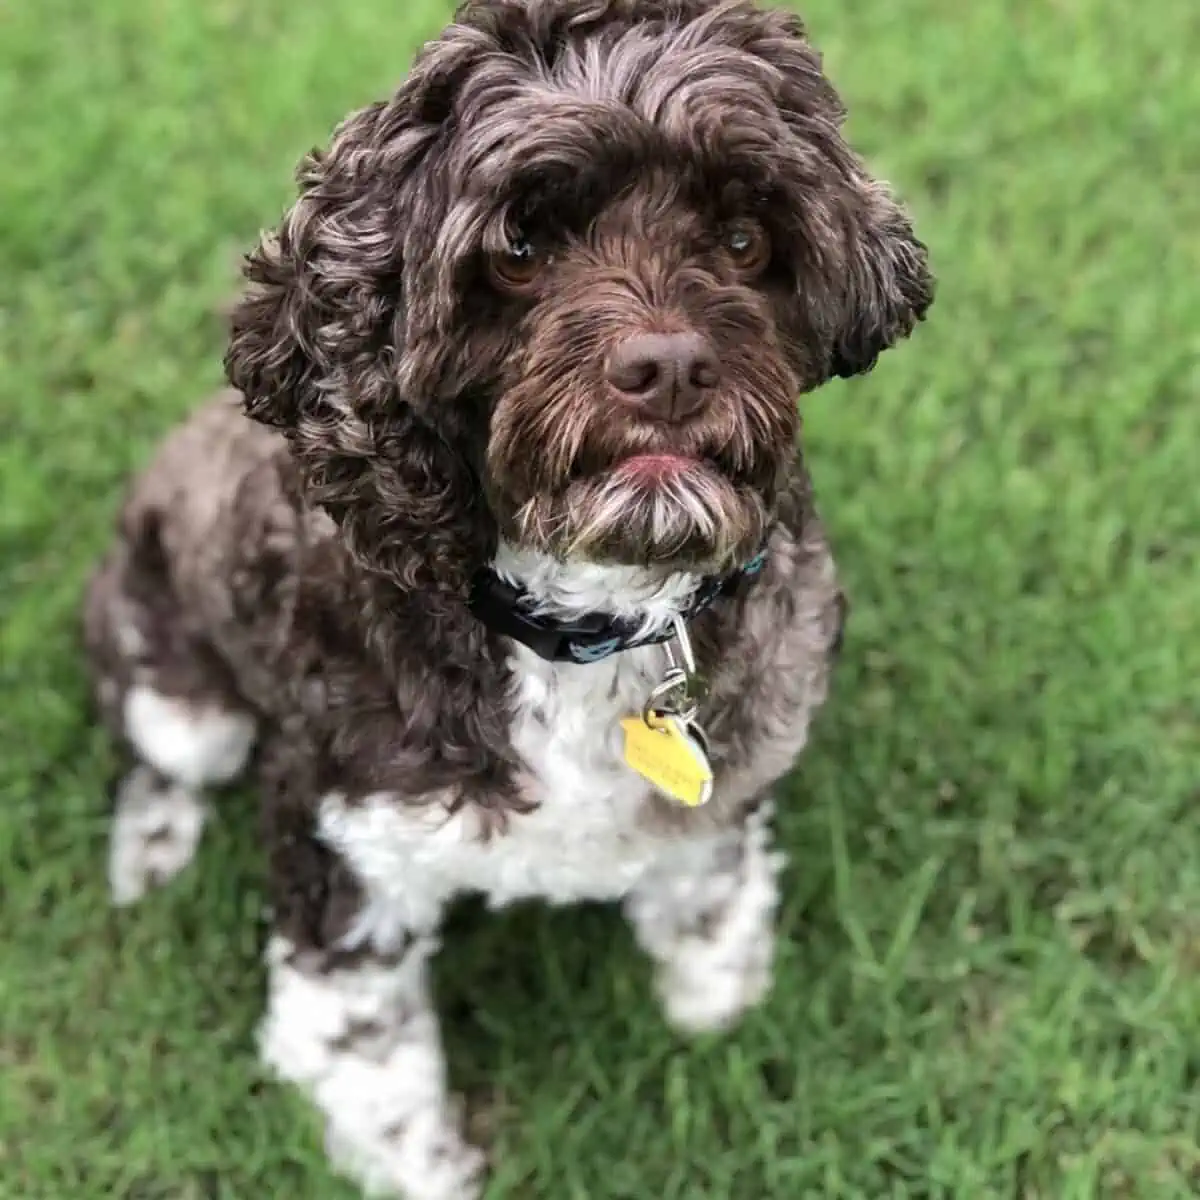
(566, 286)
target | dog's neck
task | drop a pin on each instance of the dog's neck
(570, 590)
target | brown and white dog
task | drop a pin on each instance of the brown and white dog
(516, 403)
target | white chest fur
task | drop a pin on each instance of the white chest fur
(585, 839)
(567, 730)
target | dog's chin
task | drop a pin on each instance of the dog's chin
(651, 510)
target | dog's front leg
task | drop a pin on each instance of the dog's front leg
(706, 915)
(358, 1033)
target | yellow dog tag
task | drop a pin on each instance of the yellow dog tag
(667, 755)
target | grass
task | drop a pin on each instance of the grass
(989, 982)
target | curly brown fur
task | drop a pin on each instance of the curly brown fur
(623, 135)
(434, 350)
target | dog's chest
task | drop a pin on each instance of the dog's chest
(585, 837)
(566, 728)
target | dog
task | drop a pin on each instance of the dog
(498, 561)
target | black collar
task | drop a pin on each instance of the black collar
(505, 608)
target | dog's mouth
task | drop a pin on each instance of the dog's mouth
(656, 468)
(649, 465)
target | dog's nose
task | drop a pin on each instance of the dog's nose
(670, 375)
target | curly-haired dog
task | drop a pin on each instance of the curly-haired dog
(521, 368)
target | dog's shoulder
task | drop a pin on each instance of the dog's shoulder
(772, 651)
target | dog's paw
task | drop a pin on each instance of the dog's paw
(423, 1157)
(156, 829)
(710, 927)
(705, 991)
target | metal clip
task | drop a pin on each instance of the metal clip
(681, 690)
(685, 647)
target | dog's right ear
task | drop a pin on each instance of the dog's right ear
(320, 340)
(323, 295)
(321, 326)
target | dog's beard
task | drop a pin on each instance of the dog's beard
(691, 516)
(601, 490)
(575, 473)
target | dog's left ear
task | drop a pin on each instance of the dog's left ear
(888, 284)
(877, 279)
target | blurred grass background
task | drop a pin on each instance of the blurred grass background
(989, 984)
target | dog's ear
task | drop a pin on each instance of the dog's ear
(888, 284)
(314, 331)
(323, 325)
(320, 342)
(878, 282)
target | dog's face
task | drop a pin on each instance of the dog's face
(646, 408)
(568, 284)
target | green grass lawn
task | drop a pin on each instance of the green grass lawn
(989, 984)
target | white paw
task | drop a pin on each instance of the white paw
(196, 745)
(710, 926)
(363, 1042)
(423, 1157)
(702, 990)
(156, 829)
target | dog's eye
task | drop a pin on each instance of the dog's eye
(518, 265)
(749, 247)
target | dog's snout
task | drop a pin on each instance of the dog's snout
(669, 375)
